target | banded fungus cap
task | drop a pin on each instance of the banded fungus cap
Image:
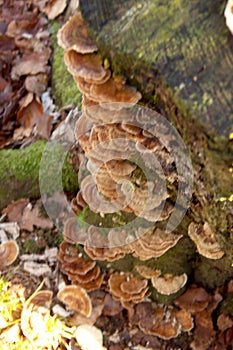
(127, 287)
(205, 240)
(76, 299)
(8, 253)
(73, 35)
(110, 91)
(154, 243)
(163, 324)
(88, 67)
(185, 319)
(92, 280)
(74, 232)
(169, 284)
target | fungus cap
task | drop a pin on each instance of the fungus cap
(205, 240)
(36, 311)
(88, 67)
(76, 298)
(169, 284)
(8, 253)
(127, 287)
(73, 35)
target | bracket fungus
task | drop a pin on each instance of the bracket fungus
(169, 284)
(73, 35)
(127, 287)
(205, 240)
(76, 299)
(131, 168)
(161, 321)
(154, 243)
(87, 66)
(79, 270)
(8, 253)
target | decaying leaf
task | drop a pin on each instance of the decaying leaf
(31, 115)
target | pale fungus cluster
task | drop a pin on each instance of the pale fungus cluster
(121, 142)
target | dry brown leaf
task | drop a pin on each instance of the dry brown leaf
(15, 210)
(52, 8)
(31, 218)
(36, 83)
(111, 307)
(31, 64)
(31, 115)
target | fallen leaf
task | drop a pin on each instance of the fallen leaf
(52, 8)
(15, 210)
(31, 115)
(31, 64)
(36, 83)
(10, 227)
(33, 218)
(111, 307)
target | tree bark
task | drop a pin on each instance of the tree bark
(178, 55)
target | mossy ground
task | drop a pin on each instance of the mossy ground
(21, 171)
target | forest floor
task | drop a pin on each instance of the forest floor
(30, 110)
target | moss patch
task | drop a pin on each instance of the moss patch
(20, 171)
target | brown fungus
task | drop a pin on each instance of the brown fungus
(127, 287)
(79, 270)
(169, 284)
(8, 253)
(154, 243)
(205, 240)
(87, 67)
(76, 298)
(113, 92)
(73, 35)
(73, 232)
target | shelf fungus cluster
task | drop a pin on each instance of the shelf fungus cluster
(205, 240)
(119, 139)
(133, 174)
(79, 270)
(163, 322)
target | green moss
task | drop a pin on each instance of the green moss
(177, 260)
(227, 304)
(106, 221)
(19, 172)
(64, 87)
(164, 299)
(213, 273)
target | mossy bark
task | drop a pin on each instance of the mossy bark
(178, 54)
(20, 169)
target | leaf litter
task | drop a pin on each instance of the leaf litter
(26, 112)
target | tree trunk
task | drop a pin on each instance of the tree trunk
(178, 55)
